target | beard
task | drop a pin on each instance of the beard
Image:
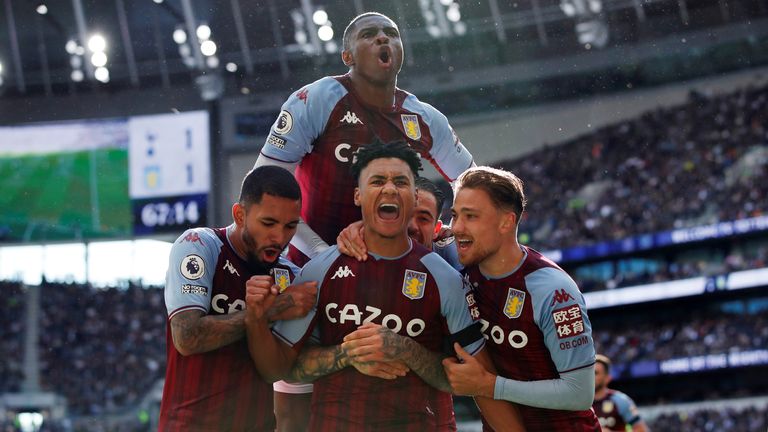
(255, 264)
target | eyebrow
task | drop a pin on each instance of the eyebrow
(380, 176)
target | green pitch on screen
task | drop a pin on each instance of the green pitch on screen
(63, 196)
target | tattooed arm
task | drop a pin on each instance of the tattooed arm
(193, 332)
(317, 361)
(375, 343)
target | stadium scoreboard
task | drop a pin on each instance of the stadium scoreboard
(169, 163)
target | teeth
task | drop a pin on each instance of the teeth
(389, 207)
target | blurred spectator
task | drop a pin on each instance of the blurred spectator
(694, 164)
(101, 348)
(12, 313)
(693, 335)
(750, 419)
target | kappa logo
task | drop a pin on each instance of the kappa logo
(231, 268)
(561, 296)
(350, 118)
(342, 272)
(302, 95)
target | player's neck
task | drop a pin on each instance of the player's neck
(389, 247)
(236, 240)
(600, 394)
(379, 96)
(503, 261)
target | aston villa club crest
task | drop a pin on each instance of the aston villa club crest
(514, 305)
(411, 125)
(413, 284)
(282, 278)
(607, 406)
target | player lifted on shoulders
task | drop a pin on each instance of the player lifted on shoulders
(392, 313)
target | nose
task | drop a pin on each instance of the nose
(381, 37)
(413, 229)
(457, 225)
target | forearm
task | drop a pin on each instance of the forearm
(272, 358)
(423, 362)
(318, 361)
(282, 304)
(500, 414)
(194, 334)
(573, 391)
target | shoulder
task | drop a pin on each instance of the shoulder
(286, 263)
(326, 90)
(197, 239)
(544, 277)
(427, 111)
(318, 266)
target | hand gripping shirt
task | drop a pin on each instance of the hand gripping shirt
(220, 389)
(536, 326)
(416, 295)
(615, 411)
(324, 123)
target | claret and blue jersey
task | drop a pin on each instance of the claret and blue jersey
(535, 323)
(323, 124)
(416, 295)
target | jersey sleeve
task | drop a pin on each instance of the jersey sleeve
(191, 266)
(626, 408)
(446, 248)
(301, 120)
(449, 156)
(297, 330)
(561, 314)
(454, 305)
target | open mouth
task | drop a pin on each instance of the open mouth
(271, 254)
(385, 57)
(463, 244)
(388, 211)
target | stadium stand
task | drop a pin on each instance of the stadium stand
(101, 348)
(11, 336)
(674, 167)
(723, 419)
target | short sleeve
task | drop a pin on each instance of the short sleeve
(561, 314)
(626, 408)
(453, 302)
(449, 156)
(191, 266)
(301, 120)
(296, 330)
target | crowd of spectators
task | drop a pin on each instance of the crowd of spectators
(691, 334)
(752, 419)
(12, 312)
(694, 164)
(101, 348)
(677, 269)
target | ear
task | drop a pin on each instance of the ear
(346, 57)
(238, 214)
(357, 196)
(508, 222)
